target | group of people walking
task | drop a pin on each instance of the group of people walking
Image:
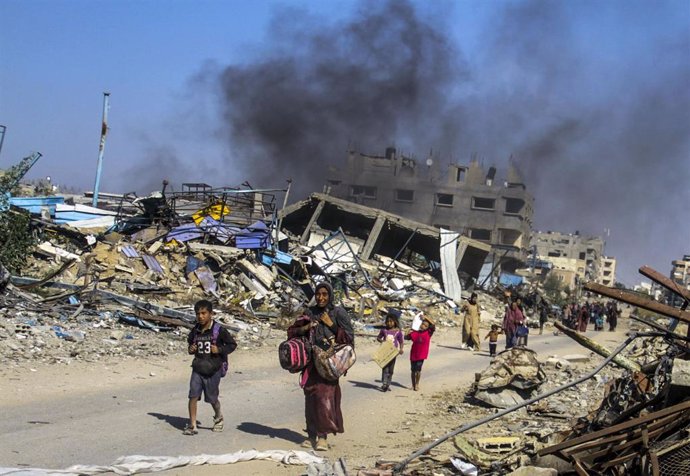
(579, 316)
(327, 325)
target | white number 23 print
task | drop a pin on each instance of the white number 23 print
(204, 347)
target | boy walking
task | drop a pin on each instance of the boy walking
(493, 339)
(210, 343)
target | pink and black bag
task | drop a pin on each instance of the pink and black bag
(294, 354)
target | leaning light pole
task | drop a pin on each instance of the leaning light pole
(101, 148)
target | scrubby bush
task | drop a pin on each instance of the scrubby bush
(16, 239)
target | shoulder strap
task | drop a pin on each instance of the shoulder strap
(215, 331)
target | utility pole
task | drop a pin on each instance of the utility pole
(101, 148)
(2, 136)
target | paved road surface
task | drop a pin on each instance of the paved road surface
(263, 408)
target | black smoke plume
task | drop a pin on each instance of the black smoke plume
(600, 131)
(381, 78)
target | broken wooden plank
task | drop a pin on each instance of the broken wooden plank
(599, 349)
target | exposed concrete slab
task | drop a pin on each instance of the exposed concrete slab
(362, 222)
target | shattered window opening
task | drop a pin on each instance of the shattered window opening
(480, 234)
(363, 191)
(404, 195)
(444, 199)
(514, 206)
(479, 203)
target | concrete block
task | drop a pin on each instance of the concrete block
(499, 444)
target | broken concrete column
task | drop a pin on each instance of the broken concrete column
(312, 220)
(372, 238)
(599, 349)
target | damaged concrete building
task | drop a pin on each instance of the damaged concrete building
(371, 231)
(463, 198)
(583, 255)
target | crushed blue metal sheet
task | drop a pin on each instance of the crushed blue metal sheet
(152, 264)
(129, 251)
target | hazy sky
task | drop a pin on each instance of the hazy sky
(592, 98)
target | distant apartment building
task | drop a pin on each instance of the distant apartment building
(653, 289)
(680, 273)
(607, 271)
(463, 198)
(586, 251)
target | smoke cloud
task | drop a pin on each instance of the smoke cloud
(600, 131)
(381, 78)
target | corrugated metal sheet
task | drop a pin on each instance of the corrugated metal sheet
(152, 264)
(129, 251)
(251, 241)
(184, 233)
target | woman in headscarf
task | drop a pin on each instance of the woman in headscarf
(511, 321)
(327, 324)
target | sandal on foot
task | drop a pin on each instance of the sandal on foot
(218, 424)
(308, 443)
(189, 431)
(321, 445)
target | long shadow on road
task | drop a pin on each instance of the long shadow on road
(174, 421)
(282, 433)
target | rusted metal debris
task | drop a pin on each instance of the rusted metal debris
(636, 445)
(642, 426)
(629, 297)
(643, 423)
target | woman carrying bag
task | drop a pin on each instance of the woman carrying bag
(327, 325)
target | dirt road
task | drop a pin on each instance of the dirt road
(59, 415)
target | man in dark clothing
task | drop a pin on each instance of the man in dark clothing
(210, 343)
(543, 317)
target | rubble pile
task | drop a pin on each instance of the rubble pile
(573, 414)
(120, 281)
(89, 292)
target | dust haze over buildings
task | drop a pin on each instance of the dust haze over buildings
(601, 134)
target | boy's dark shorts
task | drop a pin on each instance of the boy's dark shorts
(416, 365)
(210, 386)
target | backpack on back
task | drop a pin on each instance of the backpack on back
(294, 354)
(214, 338)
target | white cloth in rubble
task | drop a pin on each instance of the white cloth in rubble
(136, 464)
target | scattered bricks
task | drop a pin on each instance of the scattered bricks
(499, 444)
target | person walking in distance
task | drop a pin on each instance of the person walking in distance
(470, 324)
(493, 339)
(391, 333)
(421, 340)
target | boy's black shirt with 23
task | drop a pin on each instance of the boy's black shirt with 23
(205, 363)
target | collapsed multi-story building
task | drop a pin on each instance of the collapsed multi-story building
(464, 198)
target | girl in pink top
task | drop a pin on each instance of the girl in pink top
(392, 333)
(421, 340)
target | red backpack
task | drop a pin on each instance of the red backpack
(294, 354)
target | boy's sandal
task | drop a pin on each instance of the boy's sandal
(218, 424)
(189, 431)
